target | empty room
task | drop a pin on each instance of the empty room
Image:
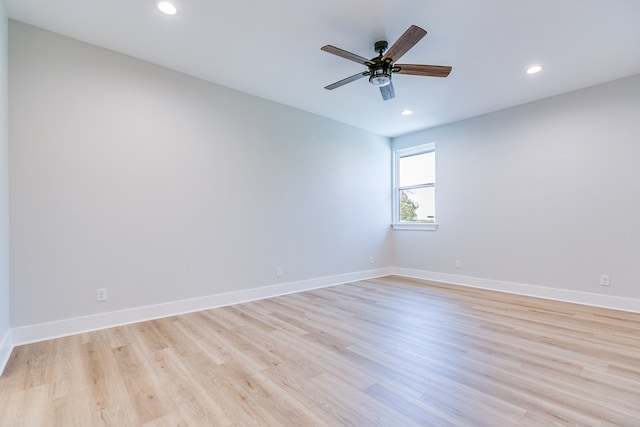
(339, 213)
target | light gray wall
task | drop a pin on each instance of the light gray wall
(162, 187)
(4, 182)
(545, 194)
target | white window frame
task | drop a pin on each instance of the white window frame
(397, 155)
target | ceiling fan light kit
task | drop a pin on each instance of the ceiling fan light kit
(381, 68)
(380, 76)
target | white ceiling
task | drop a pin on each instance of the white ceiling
(271, 49)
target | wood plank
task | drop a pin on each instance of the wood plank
(380, 352)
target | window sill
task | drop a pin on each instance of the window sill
(415, 226)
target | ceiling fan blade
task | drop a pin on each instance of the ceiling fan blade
(346, 55)
(406, 41)
(387, 91)
(422, 70)
(347, 80)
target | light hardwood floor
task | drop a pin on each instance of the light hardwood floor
(384, 352)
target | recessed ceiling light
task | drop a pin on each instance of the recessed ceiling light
(406, 112)
(534, 69)
(167, 8)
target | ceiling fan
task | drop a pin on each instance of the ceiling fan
(384, 65)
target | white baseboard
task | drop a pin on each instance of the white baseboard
(585, 298)
(6, 345)
(44, 331)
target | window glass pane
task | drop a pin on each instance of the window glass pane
(417, 205)
(417, 169)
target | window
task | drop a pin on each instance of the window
(414, 185)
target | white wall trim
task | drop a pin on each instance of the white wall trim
(585, 298)
(6, 346)
(50, 330)
(416, 226)
(45, 331)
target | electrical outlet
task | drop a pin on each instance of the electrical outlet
(101, 294)
(370, 260)
(604, 280)
(278, 271)
(456, 264)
